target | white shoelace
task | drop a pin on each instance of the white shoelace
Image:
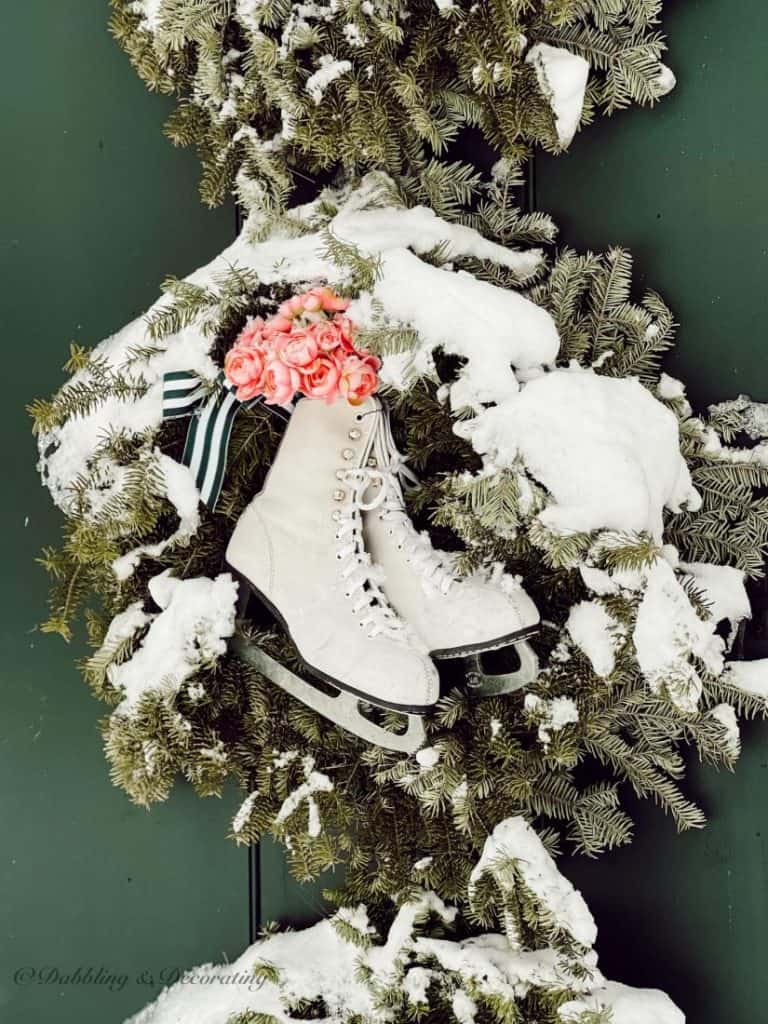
(363, 581)
(417, 548)
(393, 475)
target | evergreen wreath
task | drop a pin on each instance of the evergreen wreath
(640, 600)
(494, 758)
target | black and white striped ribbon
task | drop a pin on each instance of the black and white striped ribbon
(213, 413)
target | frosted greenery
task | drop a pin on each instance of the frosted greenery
(271, 92)
(533, 962)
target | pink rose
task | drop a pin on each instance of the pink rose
(321, 378)
(359, 378)
(248, 391)
(252, 334)
(329, 301)
(244, 367)
(280, 382)
(316, 300)
(298, 348)
(346, 328)
(291, 307)
(280, 324)
(326, 334)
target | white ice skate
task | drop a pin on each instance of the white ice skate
(456, 617)
(299, 548)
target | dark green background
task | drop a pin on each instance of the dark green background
(96, 208)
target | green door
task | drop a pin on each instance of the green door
(95, 209)
(683, 187)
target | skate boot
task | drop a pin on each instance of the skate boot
(456, 617)
(299, 548)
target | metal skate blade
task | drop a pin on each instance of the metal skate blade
(482, 684)
(341, 707)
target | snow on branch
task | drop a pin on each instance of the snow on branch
(347, 973)
(607, 451)
(514, 854)
(197, 617)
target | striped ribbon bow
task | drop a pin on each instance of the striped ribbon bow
(213, 413)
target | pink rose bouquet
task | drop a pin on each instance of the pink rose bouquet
(307, 348)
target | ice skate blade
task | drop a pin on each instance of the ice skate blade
(341, 709)
(468, 651)
(481, 685)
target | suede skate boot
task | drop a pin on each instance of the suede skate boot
(454, 616)
(299, 548)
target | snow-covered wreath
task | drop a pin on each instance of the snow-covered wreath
(271, 91)
(527, 399)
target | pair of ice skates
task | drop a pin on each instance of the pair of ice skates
(370, 605)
